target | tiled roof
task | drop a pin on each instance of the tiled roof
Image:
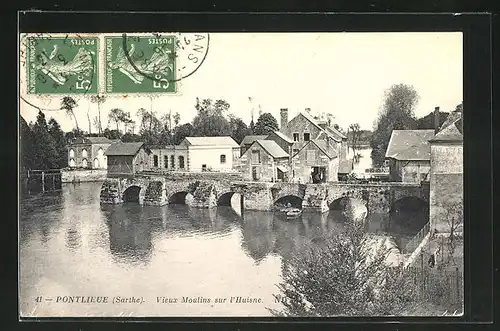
(333, 133)
(345, 166)
(451, 130)
(121, 148)
(212, 141)
(250, 139)
(284, 137)
(99, 140)
(272, 148)
(410, 145)
(336, 132)
(325, 148)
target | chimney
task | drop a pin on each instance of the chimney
(284, 120)
(308, 110)
(436, 120)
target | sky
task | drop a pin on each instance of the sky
(344, 74)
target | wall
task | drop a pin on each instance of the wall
(301, 167)
(286, 146)
(168, 151)
(299, 124)
(265, 169)
(98, 152)
(415, 171)
(83, 175)
(141, 161)
(210, 155)
(120, 164)
(78, 155)
(446, 185)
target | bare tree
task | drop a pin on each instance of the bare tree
(454, 219)
(99, 99)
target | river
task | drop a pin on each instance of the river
(70, 245)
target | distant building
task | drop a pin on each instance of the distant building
(169, 157)
(265, 161)
(248, 141)
(446, 174)
(408, 154)
(316, 162)
(345, 168)
(88, 152)
(127, 158)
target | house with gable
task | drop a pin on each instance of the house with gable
(265, 161)
(248, 141)
(408, 154)
(127, 158)
(316, 148)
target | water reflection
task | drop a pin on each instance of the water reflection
(258, 235)
(129, 233)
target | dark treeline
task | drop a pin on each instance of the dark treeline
(43, 145)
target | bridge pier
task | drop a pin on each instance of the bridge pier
(315, 199)
(203, 196)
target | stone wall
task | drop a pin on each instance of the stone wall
(83, 175)
(446, 201)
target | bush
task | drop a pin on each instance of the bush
(344, 276)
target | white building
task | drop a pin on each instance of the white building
(197, 154)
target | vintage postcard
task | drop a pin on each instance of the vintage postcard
(202, 174)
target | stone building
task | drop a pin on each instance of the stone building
(282, 140)
(316, 162)
(248, 141)
(446, 176)
(169, 157)
(408, 154)
(127, 158)
(88, 152)
(265, 161)
(329, 144)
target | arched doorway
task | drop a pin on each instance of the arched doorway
(131, 194)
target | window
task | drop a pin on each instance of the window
(72, 163)
(255, 156)
(96, 163)
(223, 159)
(84, 153)
(172, 161)
(295, 137)
(84, 163)
(71, 153)
(181, 162)
(165, 161)
(307, 136)
(155, 160)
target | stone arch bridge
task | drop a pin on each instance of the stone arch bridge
(208, 193)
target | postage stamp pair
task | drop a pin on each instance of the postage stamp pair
(140, 63)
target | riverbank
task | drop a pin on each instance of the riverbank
(83, 175)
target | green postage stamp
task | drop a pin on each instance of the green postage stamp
(140, 64)
(62, 65)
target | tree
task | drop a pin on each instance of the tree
(427, 122)
(69, 136)
(131, 137)
(25, 145)
(60, 143)
(238, 129)
(397, 113)
(44, 147)
(177, 119)
(211, 120)
(266, 123)
(112, 134)
(116, 115)
(150, 128)
(181, 132)
(454, 220)
(345, 276)
(99, 99)
(68, 104)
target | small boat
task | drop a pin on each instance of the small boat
(292, 212)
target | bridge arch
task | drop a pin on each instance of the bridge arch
(132, 194)
(409, 204)
(179, 198)
(224, 199)
(289, 200)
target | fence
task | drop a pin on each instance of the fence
(417, 239)
(440, 286)
(36, 181)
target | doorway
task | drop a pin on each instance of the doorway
(318, 175)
